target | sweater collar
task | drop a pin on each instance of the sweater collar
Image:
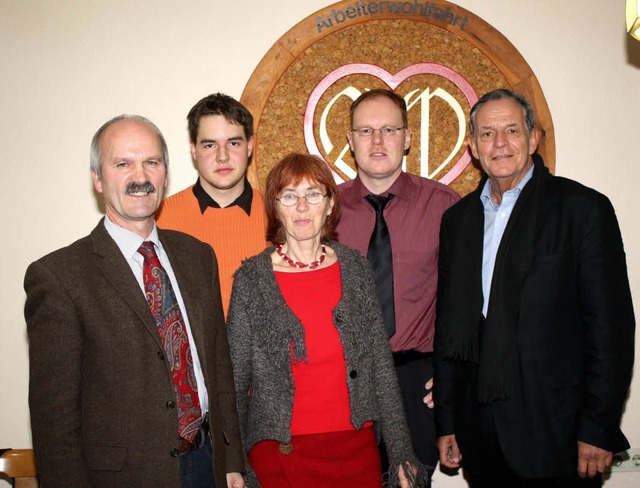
(205, 201)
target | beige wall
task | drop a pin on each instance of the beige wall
(66, 67)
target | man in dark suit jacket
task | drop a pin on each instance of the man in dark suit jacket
(104, 408)
(535, 324)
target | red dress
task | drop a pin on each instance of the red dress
(326, 450)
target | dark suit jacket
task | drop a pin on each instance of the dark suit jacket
(572, 353)
(100, 393)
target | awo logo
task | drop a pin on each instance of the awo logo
(326, 108)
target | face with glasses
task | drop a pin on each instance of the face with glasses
(379, 141)
(303, 210)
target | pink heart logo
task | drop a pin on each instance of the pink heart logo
(392, 81)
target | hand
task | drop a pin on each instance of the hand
(235, 480)
(402, 477)
(450, 455)
(428, 399)
(592, 460)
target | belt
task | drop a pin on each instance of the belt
(404, 357)
(185, 447)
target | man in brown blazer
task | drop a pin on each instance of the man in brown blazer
(106, 407)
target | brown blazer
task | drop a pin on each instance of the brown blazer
(100, 391)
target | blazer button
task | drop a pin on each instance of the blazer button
(171, 404)
(174, 452)
(160, 356)
(353, 374)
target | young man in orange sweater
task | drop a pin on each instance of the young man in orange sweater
(221, 209)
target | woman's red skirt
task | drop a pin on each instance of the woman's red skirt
(330, 460)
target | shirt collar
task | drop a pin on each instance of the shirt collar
(486, 196)
(205, 201)
(400, 188)
(129, 242)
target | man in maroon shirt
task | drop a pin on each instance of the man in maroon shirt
(379, 140)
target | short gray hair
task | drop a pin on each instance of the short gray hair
(503, 94)
(96, 150)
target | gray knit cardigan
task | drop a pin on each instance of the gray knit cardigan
(263, 331)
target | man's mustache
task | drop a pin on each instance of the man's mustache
(146, 187)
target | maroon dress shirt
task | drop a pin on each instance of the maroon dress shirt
(413, 218)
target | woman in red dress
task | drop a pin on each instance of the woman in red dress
(314, 376)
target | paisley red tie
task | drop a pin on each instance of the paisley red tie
(171, 327)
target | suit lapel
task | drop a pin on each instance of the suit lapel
(112, 264)
(474, 241)
(186, 277)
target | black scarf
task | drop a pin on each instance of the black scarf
(512, 263)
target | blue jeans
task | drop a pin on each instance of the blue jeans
(196, 468)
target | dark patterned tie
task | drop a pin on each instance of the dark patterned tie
(379, 255)
(171, 327)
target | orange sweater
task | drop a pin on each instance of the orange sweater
(232, 233)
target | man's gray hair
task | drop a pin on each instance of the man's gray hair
(503, 94)
(96, 151)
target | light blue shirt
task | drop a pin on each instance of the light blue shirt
(496, 218)
(129, 242)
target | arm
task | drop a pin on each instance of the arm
(607, 316)
(55, 379)
(239, 327)
(405, 470)
(239, 330)
(443, 381)
(226, 393)
(393, 425)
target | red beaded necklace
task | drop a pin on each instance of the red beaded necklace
(298, 264)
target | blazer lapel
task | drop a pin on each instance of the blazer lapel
(180, 263)
(110, 261)
(474, 241)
